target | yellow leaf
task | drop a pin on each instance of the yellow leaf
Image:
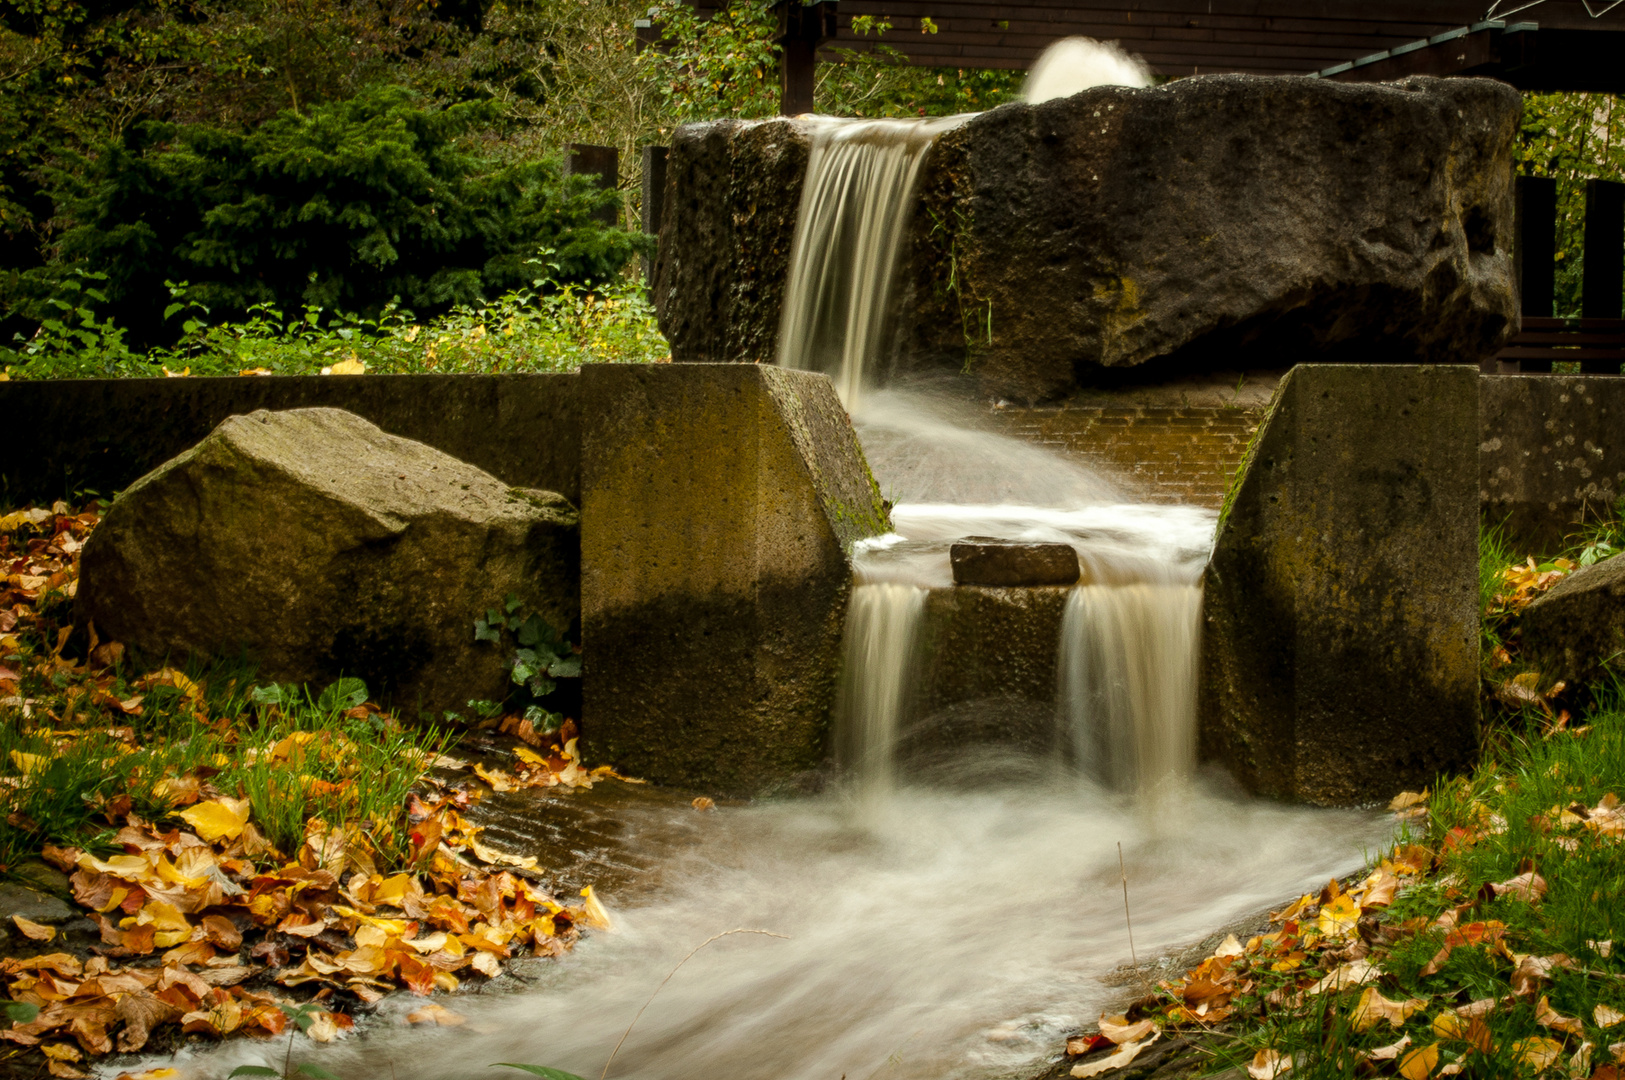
(218, 818)
(1537, 1051)
(28, 764)
(61, 1052)
(1339, 918)
(1606, 1016)
(34, 931)
(1374, 1008)
(352, 366)
(1420, 1063)
(1448, 1025)
(593, 913)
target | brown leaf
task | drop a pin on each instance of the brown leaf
(1373, 1008)
(1532, 970)
(1268, 1064)
(1124, 1054)
(32, 930)
(1546, 1016)
(1529, 887)
(142, 1011)
(435, 1014)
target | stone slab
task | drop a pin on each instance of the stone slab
(719, 506)
(978, 561)
(1340, 623)
(104, 434)
(1575, 631)
(1551, 454)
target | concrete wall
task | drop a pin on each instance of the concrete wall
(103, 434)
(1340, 608)
(1551, 453)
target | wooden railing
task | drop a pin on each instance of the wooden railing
(1596, 340)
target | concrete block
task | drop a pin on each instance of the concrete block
(1551, 453)
(719, 506)
(1340, 623)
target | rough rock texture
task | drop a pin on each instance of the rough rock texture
(1340, 609)
(1212, 221)
(324, 547)
(719, 506)
(732, 190)
(1578, 626)
(1551, 453)
(1002, 563)
(104, 434)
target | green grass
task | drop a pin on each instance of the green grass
(64, 777)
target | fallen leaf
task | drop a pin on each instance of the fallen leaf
(1120, 1031)
(1407, 799)
(1546, 1016)
(1537, 1051)
(1267, 1064)
(1606, 1016)
(1391, 1051)
(1230, 947)
(1346, 977)
(218, 818)
(1339, 918)
(34, 931)
(1474, 1009)
(1420, 1063)
(435, 1014)
(1603, 949)
(1125, 1054)
(1532, 970)
(1373, 1008)
(1530, 887)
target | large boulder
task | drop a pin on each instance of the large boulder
(719, 508)
(321, 546)
(1294, 218)
(1577, 628)
(1340, 607)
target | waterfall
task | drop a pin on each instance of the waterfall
(1126, 691)
(855, 209)
(881, 627)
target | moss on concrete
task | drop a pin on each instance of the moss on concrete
(1340, 639)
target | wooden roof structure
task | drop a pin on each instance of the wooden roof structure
(1195, 37)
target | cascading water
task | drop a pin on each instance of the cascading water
(855, 207)
(881, 623)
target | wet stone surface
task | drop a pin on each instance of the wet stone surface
(980, 560)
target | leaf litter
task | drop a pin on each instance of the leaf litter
(203, 923)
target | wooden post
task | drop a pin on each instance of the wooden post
(803, 28)
(654, 200)
(1535, 254)
(602, 162)
(1604, 282)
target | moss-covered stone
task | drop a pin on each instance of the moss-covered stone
(1576, 630)
(322, 546)
(719, 506)
(1340, 622)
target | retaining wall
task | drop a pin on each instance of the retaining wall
(103, 434)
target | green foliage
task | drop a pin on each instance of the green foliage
(354, 205)
(549, 326)
(879, 81)
(1573, 138)
(1494, 556)
(541, 654)
(724, 66)
(537, 1070)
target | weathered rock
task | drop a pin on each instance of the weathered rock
(1577, 628)
(1550, 453)
(732, 190)
(1340, 609)
(31, 904)
(719, 506)
(1293, 218)
(323, 547)
(999, 563)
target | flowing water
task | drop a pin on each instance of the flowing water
(956, 927)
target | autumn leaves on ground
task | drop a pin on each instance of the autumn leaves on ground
(215, 834)
(1481, 944)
